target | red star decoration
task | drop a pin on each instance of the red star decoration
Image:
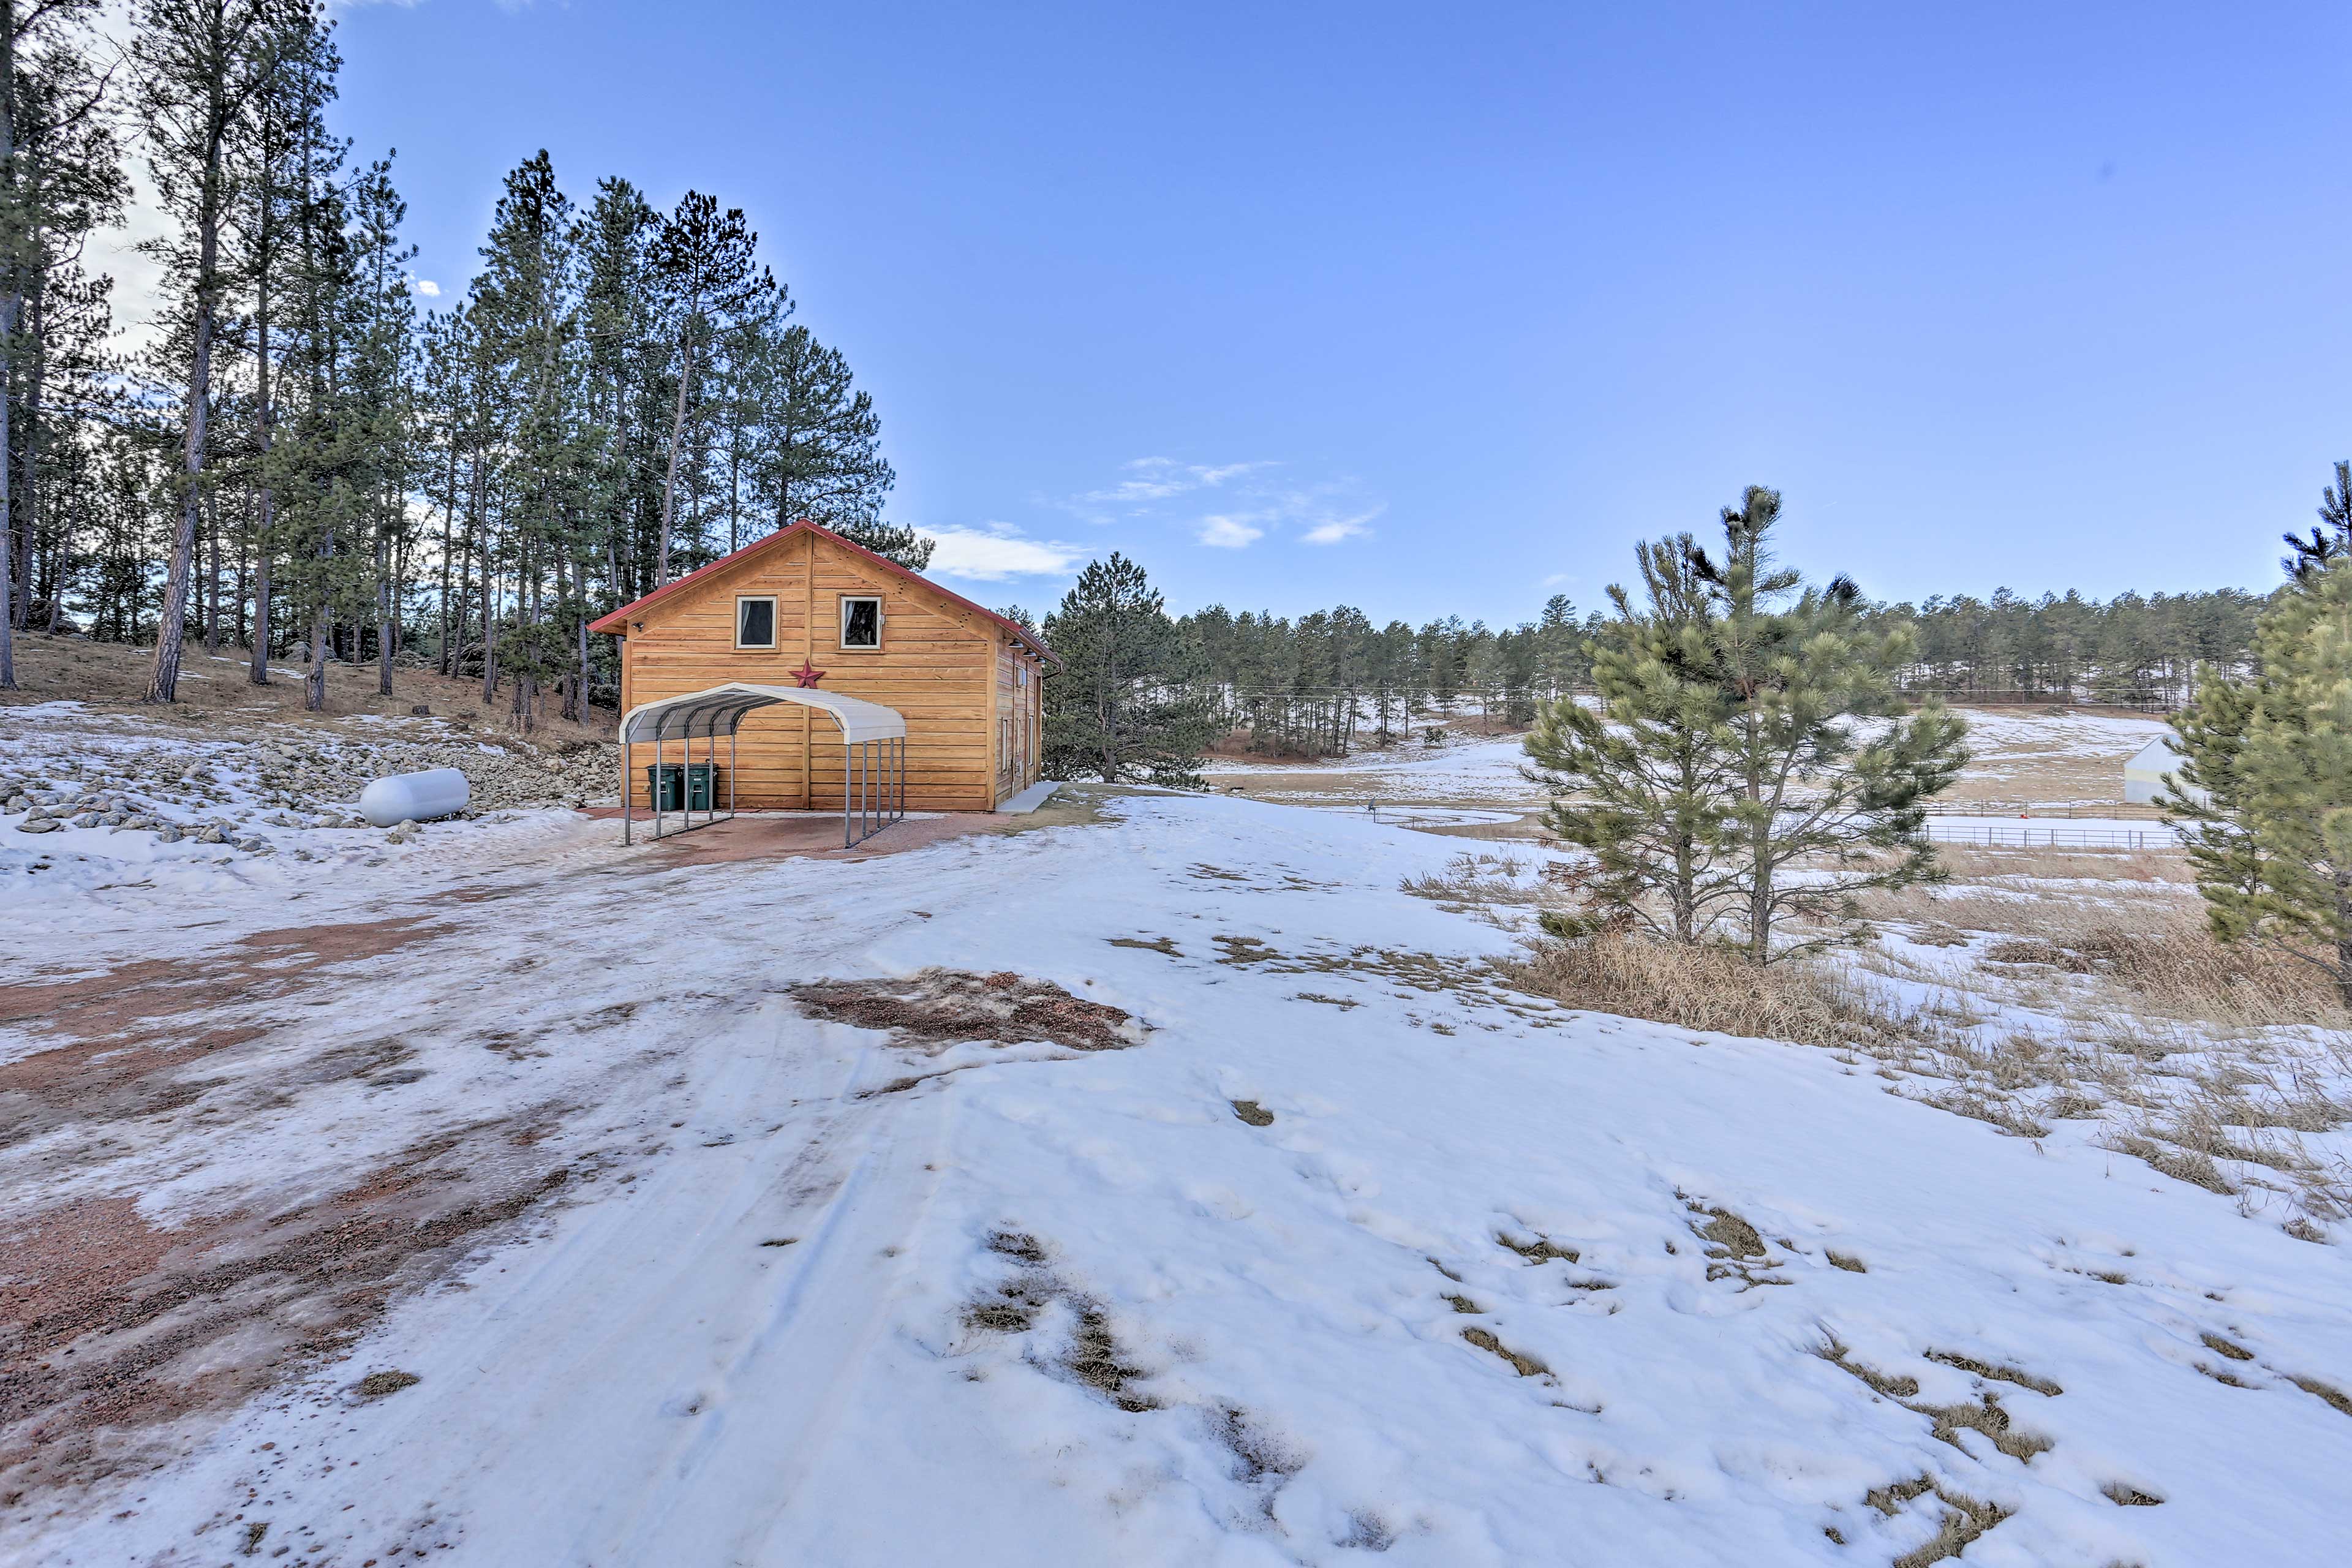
(807, 674)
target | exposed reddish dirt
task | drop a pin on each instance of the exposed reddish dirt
(115, 1003)
(944, 1005)
(128, 1036)
(110, 1325)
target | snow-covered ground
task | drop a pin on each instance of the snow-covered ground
(2059, 757)
(1463, 770)
(2062, 732)
(1348, 1249)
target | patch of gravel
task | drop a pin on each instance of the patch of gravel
(225, 790)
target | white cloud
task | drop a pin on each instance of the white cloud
(1560, 580)
(426, 286)
(1156, 479)
(1229, 532)
(1332, 530)
(1254, 503)
(994, 552)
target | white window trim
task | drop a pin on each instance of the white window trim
(775, 632)
(841, 633)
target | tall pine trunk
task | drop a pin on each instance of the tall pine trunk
(212, 574)
(384, 604)
(163, 678)
(11, 302)
(264, 545)
(676, 440)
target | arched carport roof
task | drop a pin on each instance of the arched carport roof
(872, 750)
(720, 710)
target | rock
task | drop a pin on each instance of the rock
(212, 835)
(18, 803)
(86, 819)
(169, 833)
(37, 824)
(421, 710)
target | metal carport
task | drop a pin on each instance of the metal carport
(873, 744)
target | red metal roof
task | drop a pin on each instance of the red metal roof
(617, 622)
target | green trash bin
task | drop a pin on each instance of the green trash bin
(667, 782)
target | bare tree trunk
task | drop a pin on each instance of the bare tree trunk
(164, 678)
(490, 629)
(314, 694)
(263, 545)
(448, 539)
(11, 303)
(676, 440)
(213, 575)
(383, 610)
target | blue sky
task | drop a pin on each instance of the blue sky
(1434, 310)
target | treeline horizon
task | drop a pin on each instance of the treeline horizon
(1311, 683)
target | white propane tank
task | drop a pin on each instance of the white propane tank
(415, 798)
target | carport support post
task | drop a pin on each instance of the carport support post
(626, 821)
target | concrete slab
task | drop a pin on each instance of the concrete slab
(1030, 799)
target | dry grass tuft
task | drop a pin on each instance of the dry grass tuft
(1965, 1518)
(1541, 1250)
(2336, 1397)
(2181, 1164)
(376, 1385)
(2159, 950)
(1842, 1358)
(1480, 880)
(1524, 1364)
(1714, 989)
(1996, 1372)
(1987, 1418)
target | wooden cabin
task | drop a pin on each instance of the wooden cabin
(806, 607)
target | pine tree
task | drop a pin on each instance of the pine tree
(200, 64)
(61, 178)
(25, 202)
(1821, 814)
(2328, 542)
(1120, 709)
(527, 318)
(2273, 845)
(821, 442)
(1644, 781)
(707, 262)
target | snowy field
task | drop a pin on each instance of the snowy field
(511, 1197)
(1464, 770)
(2061, 759)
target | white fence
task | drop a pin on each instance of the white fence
(2026, 835)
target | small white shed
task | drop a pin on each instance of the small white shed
(2144, 773)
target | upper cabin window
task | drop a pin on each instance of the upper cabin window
(755, 622)
(861, 623)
